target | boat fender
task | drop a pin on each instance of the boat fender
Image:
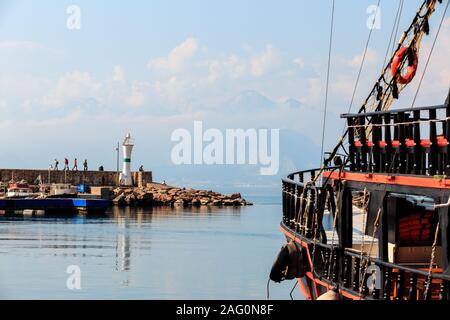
(413, 62)
(289, 264)
(332, 295)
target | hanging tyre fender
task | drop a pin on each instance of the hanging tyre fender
(412, 65)
(289, 264)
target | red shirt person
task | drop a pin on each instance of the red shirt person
(75, 165)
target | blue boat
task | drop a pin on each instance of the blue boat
(56, 206)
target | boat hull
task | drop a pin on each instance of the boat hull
(311, 286)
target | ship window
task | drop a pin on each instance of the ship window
(412, 227)
(412, 220)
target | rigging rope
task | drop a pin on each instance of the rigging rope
(386, 88)
(398, 124)
(396, 24)
(376, 225)
(433, 257)
(292, 291)
(431, 53)
(327, 83)
(365, 203)
(364, 57)
(384, 99)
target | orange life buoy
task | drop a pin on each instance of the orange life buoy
(412, 68)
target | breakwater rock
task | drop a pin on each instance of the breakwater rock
(160, 195)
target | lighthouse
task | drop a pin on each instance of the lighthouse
(127, 147)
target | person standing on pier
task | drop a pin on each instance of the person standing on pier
(66, 164)
(75, 165)
(85, 165)
(56, 165)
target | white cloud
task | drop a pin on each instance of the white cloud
(200, 81)
(314, 95)
(174, 89)
(71, 87)
(70, 118)
(137, 97)
(264, 61)
(3, 104)
(446, 23)
(299, 62)
(343, 86)
(16, 44)
(118, 74)
(177, 58)
(232, 67)
(371, 58)
(19, 86)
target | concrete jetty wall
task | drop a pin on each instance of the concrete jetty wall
(92, 178)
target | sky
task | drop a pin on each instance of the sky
(151, 67)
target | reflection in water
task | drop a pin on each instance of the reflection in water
(123, 252)
(136, 216)
(154, 253)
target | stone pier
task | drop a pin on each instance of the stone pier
(91, 178)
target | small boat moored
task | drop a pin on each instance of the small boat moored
(19, 190)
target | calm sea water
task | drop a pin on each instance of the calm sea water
(155, 253)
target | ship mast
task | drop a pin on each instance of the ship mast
(391, 81)
(388, 86)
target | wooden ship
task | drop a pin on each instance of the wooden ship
(373, 222)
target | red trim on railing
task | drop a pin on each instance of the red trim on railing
(396, 144)
(358, 144)
(422, 182)
(425, 143)
(442, 142)
(410, 143)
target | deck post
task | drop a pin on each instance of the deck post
(394, 166)
(377, 134)
(345, 226)
(402, 138)
(388, 140)
(434, 147)
(447, 136)
(363, 139)
(417, 140)
(351, 141)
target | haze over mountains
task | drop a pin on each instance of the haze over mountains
(300, 129)
(253, 100)
(299, 125)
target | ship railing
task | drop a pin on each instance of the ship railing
(335, 265)
(299, 197)
(369, 278)
(305, 176)
(404, 141)
(376, 279)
